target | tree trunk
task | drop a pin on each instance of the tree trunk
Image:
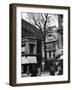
(45, 54)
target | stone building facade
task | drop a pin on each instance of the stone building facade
(51, 43)
(30, 45)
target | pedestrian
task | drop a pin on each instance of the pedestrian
(33, 70)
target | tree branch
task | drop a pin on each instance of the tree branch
(42, 32)
(39, 25)
(35, 22)
(46, 16)
(46, 32)
(42, 17)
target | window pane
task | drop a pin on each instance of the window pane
(31, 48)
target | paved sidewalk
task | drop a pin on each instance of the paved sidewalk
(42, 74)
(45, 74)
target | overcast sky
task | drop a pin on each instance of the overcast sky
(54, 19)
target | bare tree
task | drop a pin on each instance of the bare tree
(41, 21)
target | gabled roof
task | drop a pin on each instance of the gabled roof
(29, 30)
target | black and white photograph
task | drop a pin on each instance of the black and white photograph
(41, 44)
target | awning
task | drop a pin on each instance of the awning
(28, 59)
